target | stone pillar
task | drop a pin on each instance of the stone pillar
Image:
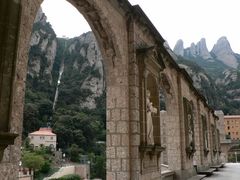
(222, 136)
(164, 120)
(9, 23)
(198, 134)
(118, 127)
(174, 136)
(134, 115)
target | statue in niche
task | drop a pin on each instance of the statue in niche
(190, 131)
(189, 128)
(205, 135)
(150, 109)
(206, 139)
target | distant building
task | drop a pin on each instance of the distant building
(43, 137)
(232, 127)
(25, 174)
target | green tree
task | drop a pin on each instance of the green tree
(46, 167)
(74, 152)
(32, 161)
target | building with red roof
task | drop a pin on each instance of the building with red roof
(43, 137)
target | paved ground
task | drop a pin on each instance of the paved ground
(62, 171)
(231, 171)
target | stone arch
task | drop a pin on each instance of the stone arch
(95, 15)
(109, 24)
(166, 90)
(167, 113)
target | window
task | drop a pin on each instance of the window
(236, 133)
(229, 133)
(51, 138)
(42, 137)
(227, 122)
(228, 127)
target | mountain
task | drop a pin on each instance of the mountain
(202, 81)
(65, 87)
(221, 64)
(223, 52)
(82, 71)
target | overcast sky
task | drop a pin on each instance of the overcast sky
(189, 20)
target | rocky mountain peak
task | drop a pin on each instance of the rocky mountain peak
(222, 46)
(178, 48)
(223, 51)
(202, 50)
(199, 49)
(40, 17)
(43, 44)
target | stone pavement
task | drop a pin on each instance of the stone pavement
(61, 172)
(229, 172)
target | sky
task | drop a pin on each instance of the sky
(189, 20)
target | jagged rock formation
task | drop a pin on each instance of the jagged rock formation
(200, 49)
(221, 64)
(228, 76)
(89, 66)
(223, 52)
(179, 48)
(43, 47)
(83, 55)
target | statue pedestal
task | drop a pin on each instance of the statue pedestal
(151, 150)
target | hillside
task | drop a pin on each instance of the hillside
(221, 64)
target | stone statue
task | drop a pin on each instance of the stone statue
(150, 110)
(190, 131)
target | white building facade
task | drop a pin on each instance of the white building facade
(43, 137)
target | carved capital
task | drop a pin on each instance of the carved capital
(151, 150)
(6, 139)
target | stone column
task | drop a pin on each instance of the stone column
(198, 134)
(9, 23)
(173, 120)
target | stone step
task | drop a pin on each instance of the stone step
(217, 167)
(197, 177)
(207, 172)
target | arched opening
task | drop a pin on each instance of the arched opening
(115, 62)
(65, 90)
(166, 99)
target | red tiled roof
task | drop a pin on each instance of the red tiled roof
(43, 131)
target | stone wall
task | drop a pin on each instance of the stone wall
(135, 60)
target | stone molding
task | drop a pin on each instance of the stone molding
(6, 139)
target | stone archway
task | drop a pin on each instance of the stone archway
(109, 22)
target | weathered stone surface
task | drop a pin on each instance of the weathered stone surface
(134, 56)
